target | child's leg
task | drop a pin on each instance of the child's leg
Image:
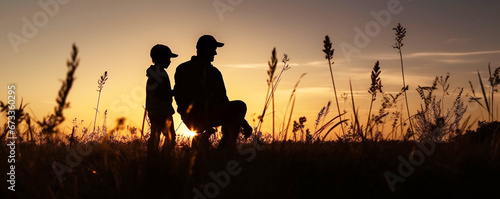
(157, 125)
(153, 140)
(169, 133)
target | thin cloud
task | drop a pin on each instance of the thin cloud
(328, 91)
(315, 90)
(315, 63)
(393, 56)
(456, 61)
(247, 66)
(323, 63)
(454, 54)
(258, 66)
(455, 40)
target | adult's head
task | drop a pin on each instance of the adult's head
(161, 54)
(206, 47)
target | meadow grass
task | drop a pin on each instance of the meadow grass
(296, 170)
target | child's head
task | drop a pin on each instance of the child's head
(161, 54)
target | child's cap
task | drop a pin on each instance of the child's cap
(160, 50)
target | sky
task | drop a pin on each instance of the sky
(456, 37)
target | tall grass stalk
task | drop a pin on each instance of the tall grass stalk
(375, 87)
(50, 123)
(400, 34)
(285, 67)
(292, 99)
(474, 98)
(289, 119)
(321, 115)
(485, 97)
(494, 80)
(30, 130)
(100, 85)
(144, 121)
(273, 115)
(320, 130)
(356, 126)
(491, 80)
(270, 72)
(388, 102)
(320, 119)
(328, 50)
(443, 82)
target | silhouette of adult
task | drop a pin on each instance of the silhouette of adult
(201, 97)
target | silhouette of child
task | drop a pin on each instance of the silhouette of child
(159, 101)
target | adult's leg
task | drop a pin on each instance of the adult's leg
(231, 115)
(197, 122)
(246, 128)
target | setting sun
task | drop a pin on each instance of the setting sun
(189, 133)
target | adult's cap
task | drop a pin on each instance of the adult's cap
(208, 41)
(160, 50)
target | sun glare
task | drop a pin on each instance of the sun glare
(190, 133)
